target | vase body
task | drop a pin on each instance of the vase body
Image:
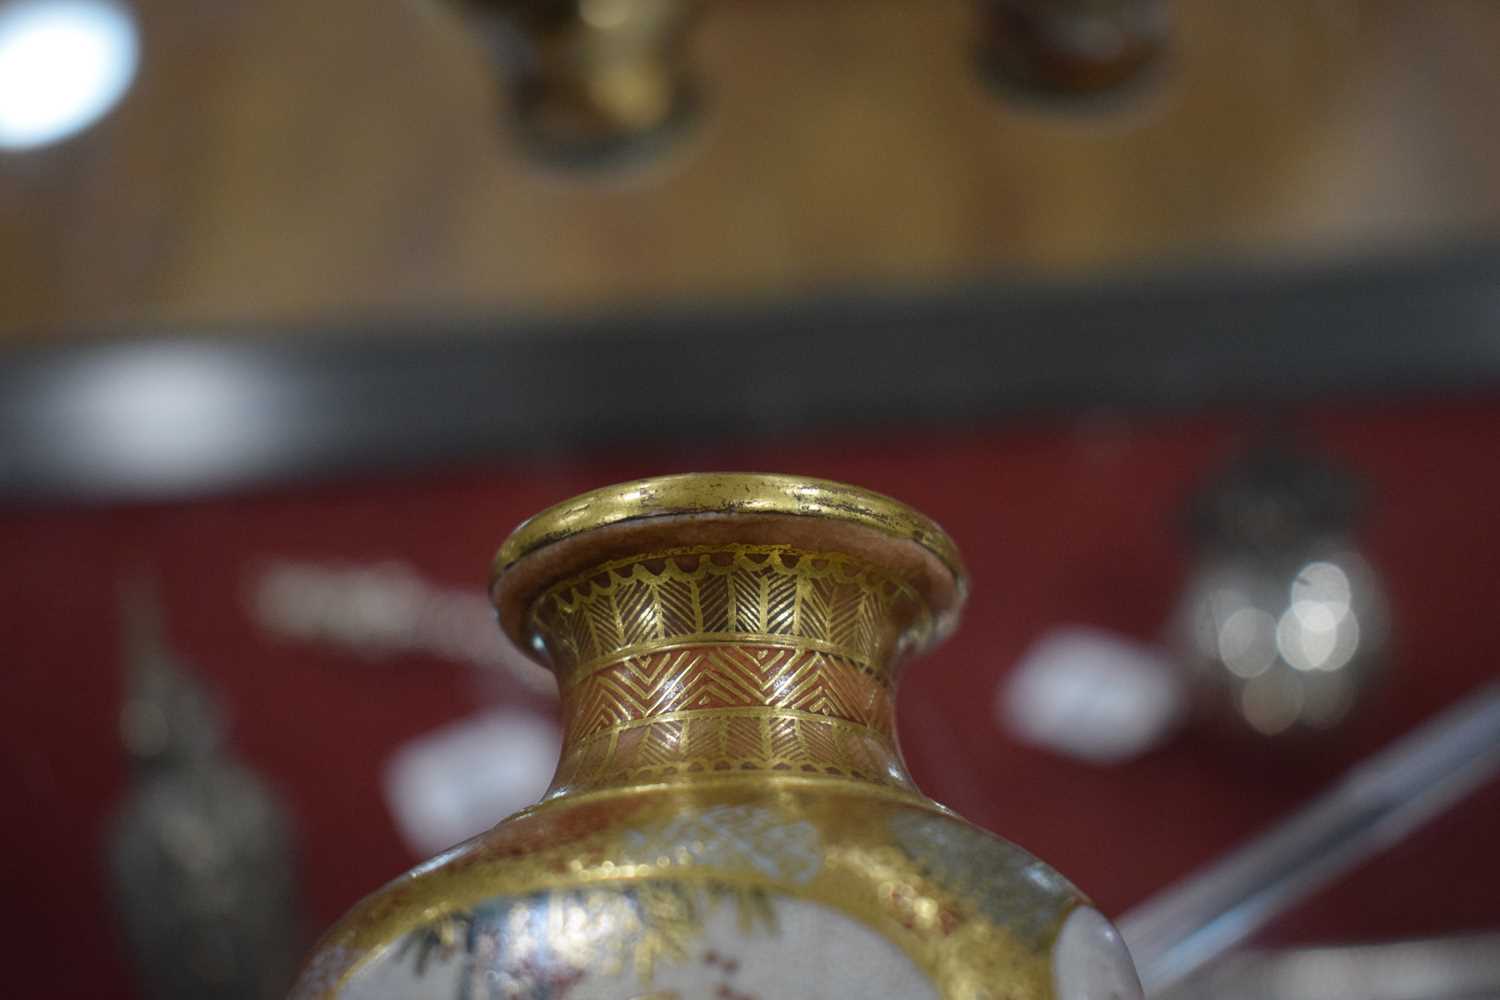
(731, 817)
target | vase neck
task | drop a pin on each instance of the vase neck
(728, 661)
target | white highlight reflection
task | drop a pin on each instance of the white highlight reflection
(1322, 585)
(1090, 694)
(385, 609)
(1247, 642)
(63, 65)
(1319, 630)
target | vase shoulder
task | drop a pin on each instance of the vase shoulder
(678, 891)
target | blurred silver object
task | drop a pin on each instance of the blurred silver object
(1379, 803)
(1283, 624)
(384, 609)
(1464, 967)
(201, 857)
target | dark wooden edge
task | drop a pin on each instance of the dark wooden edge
(175, 415)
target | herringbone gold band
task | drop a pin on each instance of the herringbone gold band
(764, 594)
(719, 742)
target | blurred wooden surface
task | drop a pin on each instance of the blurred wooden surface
(343, 160)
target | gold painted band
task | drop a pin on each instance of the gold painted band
(759, 712)
(576, 674)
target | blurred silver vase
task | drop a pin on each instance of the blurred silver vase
(1282, 627)
(201, 859)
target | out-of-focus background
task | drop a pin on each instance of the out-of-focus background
(1182, 317)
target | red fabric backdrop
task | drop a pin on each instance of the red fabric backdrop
(1061, 522)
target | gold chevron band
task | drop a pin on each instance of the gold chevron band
(728, 659)
(723, 676)
(709, 743)
(734, 593)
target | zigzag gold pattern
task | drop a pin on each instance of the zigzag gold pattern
(686, 744)
(743, 593)
(707, 660)
(726, 676)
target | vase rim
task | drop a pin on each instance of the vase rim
(727, 493)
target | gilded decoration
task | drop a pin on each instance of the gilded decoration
(712, 659)
(724, 677)
(717, 743)
(727, 493)
(770, 595)
(1011, 889)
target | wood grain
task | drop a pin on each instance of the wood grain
(340, 161)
